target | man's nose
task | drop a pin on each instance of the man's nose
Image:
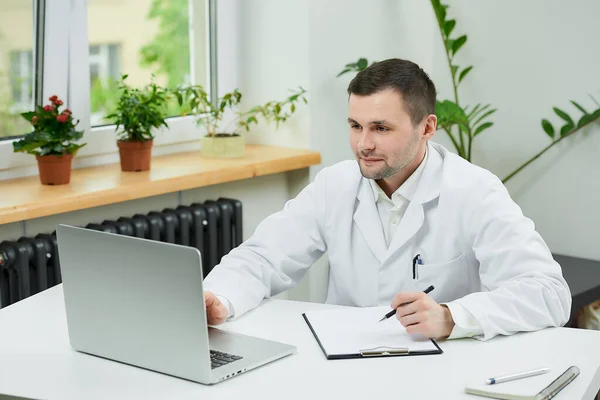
(366, 143)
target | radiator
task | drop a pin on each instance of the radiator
(30, 265)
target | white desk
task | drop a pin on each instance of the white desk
(37, 361)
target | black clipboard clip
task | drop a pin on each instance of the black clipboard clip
(385, 351)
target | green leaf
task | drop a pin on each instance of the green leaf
(481, 118)
(449, 113)
(454, 69)
(482, 127)
(579, 107)
(28, 115)
(563, 115)
(293, 108)
(362, 64)
(584, 120)
(449, 43)
(458, 43)
(477, 110)
(464, 73)
(596, 114)
(548, 128)
(44, 137)
(566, 129)
(449, 26)
(442, 12)
(179, 98)
(473, 111)
(358, 66)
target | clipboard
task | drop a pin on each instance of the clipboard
(347, 319)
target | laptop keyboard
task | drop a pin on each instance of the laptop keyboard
(218, 359)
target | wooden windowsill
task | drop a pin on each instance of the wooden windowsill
(25, 198)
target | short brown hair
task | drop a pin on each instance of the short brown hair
(405, 77)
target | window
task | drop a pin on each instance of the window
(21, 79)
(85, 46)
(104, 72)
(149, 39)
(17, 77)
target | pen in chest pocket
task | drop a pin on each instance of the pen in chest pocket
(416, 261)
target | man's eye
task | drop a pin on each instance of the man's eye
(355, 126)
(382, 129)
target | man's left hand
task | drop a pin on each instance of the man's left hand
(423, 315)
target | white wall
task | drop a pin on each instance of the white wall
(273, 49)
(341, 31)
(530, 56)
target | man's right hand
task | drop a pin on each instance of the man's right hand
(216, 312)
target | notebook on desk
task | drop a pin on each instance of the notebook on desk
(353, 332)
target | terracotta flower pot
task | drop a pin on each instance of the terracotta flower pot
(135, 156)
(55, 170)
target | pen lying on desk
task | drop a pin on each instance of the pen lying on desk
(518, 375)
(391, 313)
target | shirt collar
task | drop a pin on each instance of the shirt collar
(407, 189)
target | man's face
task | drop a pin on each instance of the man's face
(381, 134)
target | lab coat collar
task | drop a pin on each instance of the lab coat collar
(428, 185)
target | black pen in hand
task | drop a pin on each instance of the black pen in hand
(393, 312)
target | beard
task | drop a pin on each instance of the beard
(383, 171)
(385, 168)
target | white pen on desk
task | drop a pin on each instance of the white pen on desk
(518, 375)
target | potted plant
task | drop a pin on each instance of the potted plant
(227, 143)
(52, 141)
(137, 113)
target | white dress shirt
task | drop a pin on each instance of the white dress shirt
(391, 210)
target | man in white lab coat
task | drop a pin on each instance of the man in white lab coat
(406, 214)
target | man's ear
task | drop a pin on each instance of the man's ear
(429, 126)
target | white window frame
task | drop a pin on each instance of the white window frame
(66, 74)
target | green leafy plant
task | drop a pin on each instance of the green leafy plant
(53, 133)
(211, 114)
(139, 111)
(359, 65)
(464, 124)
(568, 128)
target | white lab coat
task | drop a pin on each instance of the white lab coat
(478, 249)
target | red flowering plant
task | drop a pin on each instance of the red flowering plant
(53, 133)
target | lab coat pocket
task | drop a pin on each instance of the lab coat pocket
(450, 279)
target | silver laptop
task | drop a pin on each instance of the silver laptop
(141, 302)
